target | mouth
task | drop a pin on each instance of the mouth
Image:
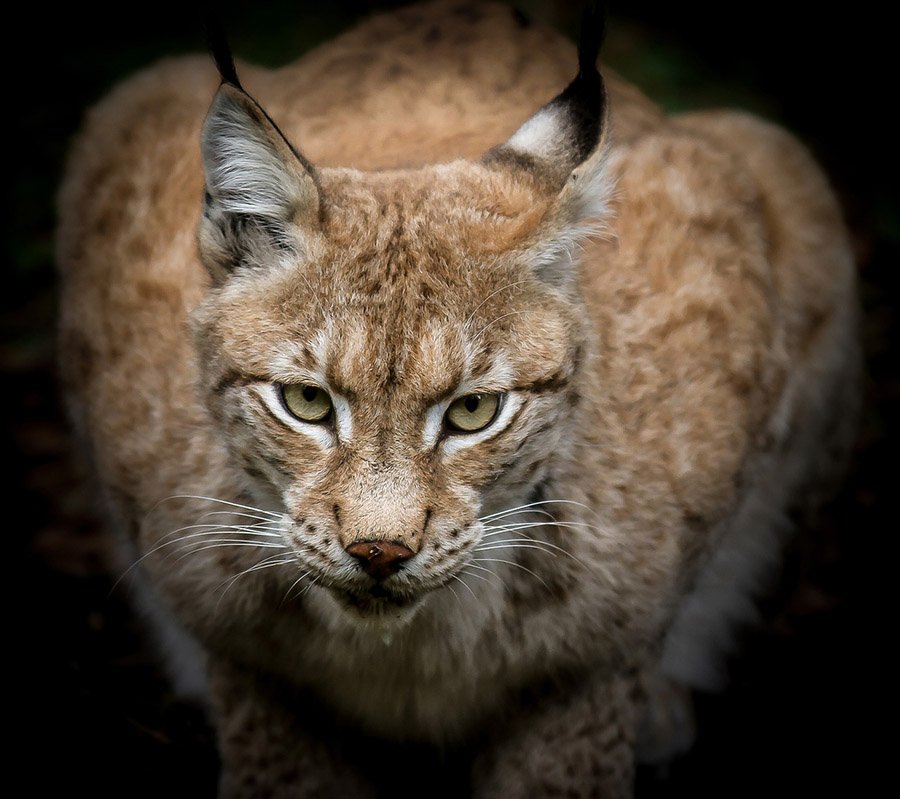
(376, 601)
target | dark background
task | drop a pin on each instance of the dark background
(90, 711)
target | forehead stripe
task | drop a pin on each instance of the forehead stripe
(233, 377)
(555, 382)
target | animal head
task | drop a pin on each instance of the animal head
(393, 355)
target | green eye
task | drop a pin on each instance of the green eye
(472, 413)
(308, 403)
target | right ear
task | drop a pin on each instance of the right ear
(260, 192)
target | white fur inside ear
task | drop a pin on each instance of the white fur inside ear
(541, 136)
(584, 213)
(245, 174)
(586, 198)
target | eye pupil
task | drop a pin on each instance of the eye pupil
(309, 393)
(472, 402)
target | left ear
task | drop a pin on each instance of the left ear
(563, 149)
(260, 192)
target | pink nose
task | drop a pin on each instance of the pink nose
(380, 559)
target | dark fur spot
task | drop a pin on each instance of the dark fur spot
(392, 378)
(521, 446)
(336, 511)
(538, 493)
(521, 18)
(433, 34)
(395, 71)
(277, 464)
(315, 550)
(253, 472)
(694, 521)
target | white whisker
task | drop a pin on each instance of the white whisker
(496, 529)
(187, 539)
(269, 513)
(452, 591)
(468, 587)
(227, 542)
(539, 503)
(512, 563)
(546, 545)
(210, 526)
(210, 530)
(481, 576)
(287, 594)
(513, 544)
(516, 511)
(278, 559)
(267, 521)
(314, 580)
(235, 528)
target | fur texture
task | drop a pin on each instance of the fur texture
(669, 389)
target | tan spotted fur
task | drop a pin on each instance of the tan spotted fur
(682, 380)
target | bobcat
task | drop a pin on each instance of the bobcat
(461, 429)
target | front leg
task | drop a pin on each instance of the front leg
(269, 747)
(574, 743)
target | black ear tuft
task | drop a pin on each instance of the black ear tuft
(570, 128)
(584, 99)
(590, 37)
(217, 42)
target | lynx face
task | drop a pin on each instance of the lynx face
(394, 356)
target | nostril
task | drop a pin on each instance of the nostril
(380, 559)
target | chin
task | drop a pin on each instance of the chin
(377, 605)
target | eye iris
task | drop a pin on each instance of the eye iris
(307, 403)
(473, 412)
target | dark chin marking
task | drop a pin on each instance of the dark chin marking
(378, 603)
